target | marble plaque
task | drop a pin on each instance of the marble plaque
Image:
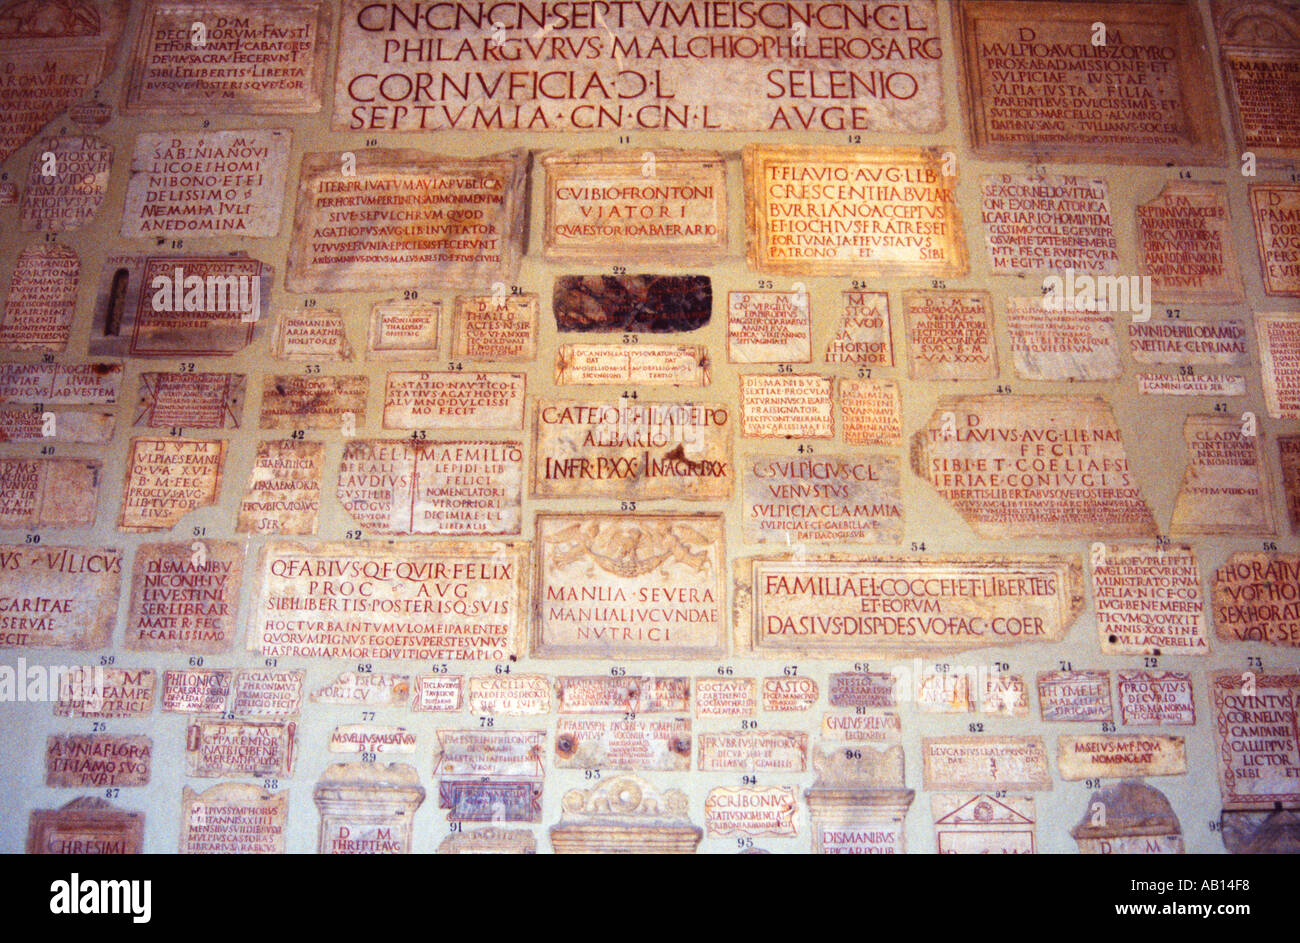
(375, 219)
(452, 400)
(1226, 487)
(490, 754)
(490, 840)
(631, 449)
(52, 58)
(1259, 49)
(1189, 343)
(673, 68)
(753, 751)
(41, 300)
(1120, 756)
(438, 694)
(877, 728)
(864, 689)
(725, 697)
(872, 412)
(401, 486)
(194, 400)
(1186, 384)
(1128, 818)
(48, 492)
(982, 824)
(789, 406)
(283, 493)
(640, 364)
(768, 327)
(629, 586)
(66, 183)
(179, 306)
(1148, 600)
(168, 478)
(836, 498)
(950, 335)
(1013, 764)
(842, 606)
(1256, 598)
(267, 692)
(58, 597)
(1276, 211)
(367, 808)
(311, 334)
(85, 826)
(623, 694)
(197, 690)
(1184, 245)
(298, 401)
(204, 184)
(495, 328)
(1051, 222)
(1036, 83)
(371, 688)
(239, 748)
(633, 304)
(233, 819)
(1258, 746)
(60, 384)
(1075, 696)
(403, 330)
(1063, 342)
(184, 597)
(852, 211)
(623, 744)
(863, 334)
(1156, 699)
(371, 739)
(1278, 334)
(786, 694)
(764, 812)
(434, 601)
(94, 761)
(1004, 695)
(657, 206)
(1033, 466)
(256, 57)
(27, 424)
(106, 693)
(510, 695)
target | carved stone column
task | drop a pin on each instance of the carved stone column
(366, 808)
(858, 803)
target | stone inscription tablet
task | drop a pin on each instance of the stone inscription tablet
(1279, 361)
(786, 406)
(432, 601)
(1189, 342)
(1033, 466)
(451, 400)
(1148, 600)
(1256, 598)
(852, 211)
(950, 335)
(1259, 48)
(1010, 763)
(841, 606)
(297, 401)
(196, 400)
(58, 597)
(1185, 245)
(834, 498)
(1226, 486)
(184, 597)
(643, 364)
(399, 486)
(1050, 222)
(768, 327)
(631, 449)
(674, 67)
(66, 183)
(1276, 212)
(629, 586)
(42, 297)
(168, 478)
(256, 58)
(863, 335)
(206, 183)
(1037, 85)
(1062, 342)
(283, 493)
(662, 205)
(406, 219)
(495, 328)
(1256, 736)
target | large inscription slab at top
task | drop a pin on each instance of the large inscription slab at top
(671, 65)
(1259, 49)
(1105, 82)
(388, 219)
(852, 211)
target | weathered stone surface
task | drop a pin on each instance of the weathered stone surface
(495, 328)
(85, 826)
(345, 241)
(624, 694)
(1120, 756)
(72, 592)
(283, 493)
(196, 400)
(769, 327)
(167, 478)
(1227, 486)
(1143, 95)
(1185, 245)
(642, 364)
(1278, 334)
(629, 586)
(1275, 209)
(852, 211)
(1130, 818)
(233, 818)
(1048, 222)
(1189, 342)
(311, 334)
(296, 401)
(872, 411)
(1156, 699)
(950, 335)
(833, 498)
(94, 761)
(106, 693)
(764, 812)
(66, 183)
(625, 815)
(863, 335)
(767, 751)
(786, 406)
(1259, 49)
(992, 763)
(1256, 739)
(1061, 343)
(403, 330)
(184, 597)
(638, 304)
(1148, 600)
(1256, 598)
(41, 300)
(1075, 696)
(48, 492)
(366, 808)
(843, 605)
(236, 748)
(1033, 466)
(453, 400)
(983, 824)
(623, 744)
